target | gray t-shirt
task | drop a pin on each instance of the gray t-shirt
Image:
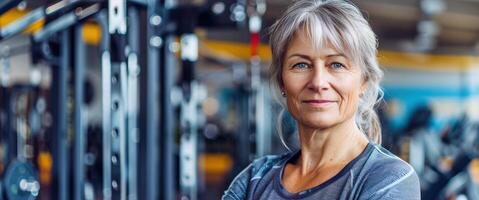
(374, 174)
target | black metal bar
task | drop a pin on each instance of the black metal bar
(152, 135)
(4, 121)
(10, 136)
(243, 137)
(143, 61)
(167, 127)
(80, 136)
(118, 29)
(59, 110)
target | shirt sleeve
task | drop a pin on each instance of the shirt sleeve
(239, 186)
(392, 181)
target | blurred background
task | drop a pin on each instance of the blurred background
(170, 99)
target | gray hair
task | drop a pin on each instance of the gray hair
(341, 25)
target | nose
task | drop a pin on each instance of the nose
(318, 78)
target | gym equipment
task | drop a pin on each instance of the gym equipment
(7, 5)
(426, 153)
(21, 181)
(258, 123)
(139, 145)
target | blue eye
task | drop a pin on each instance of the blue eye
(301, 66)
(337, 65)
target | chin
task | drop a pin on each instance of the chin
(320, 122)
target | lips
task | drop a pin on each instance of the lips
(318, 102)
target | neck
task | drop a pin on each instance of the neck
(332, 146)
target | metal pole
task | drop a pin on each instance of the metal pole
(18, 26)
(59, 95)
(152, 107)
(132, 106)
(6, 132)
(167, 127)
(106, 104)
(193, 94)
(117, 30)
(80, 137)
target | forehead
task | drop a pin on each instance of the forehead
(302, 43)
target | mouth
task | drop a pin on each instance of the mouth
(318, 102)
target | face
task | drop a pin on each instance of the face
(322, 86)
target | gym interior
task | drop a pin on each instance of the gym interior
(170, 99)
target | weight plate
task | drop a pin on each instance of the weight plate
(16, 172)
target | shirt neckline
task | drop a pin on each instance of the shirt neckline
(281, 190)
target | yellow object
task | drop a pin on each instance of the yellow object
(233, 50)
(91, 33)
(45, 163)
(407, 60)
(15, 14)
(215, 166)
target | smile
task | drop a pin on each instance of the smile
(318, 103)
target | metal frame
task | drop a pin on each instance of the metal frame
(21, 24)
(190, 116)
(120, 90)
(80, 134)
(106, 103)
(120, 97)
(132, 97)
(117, 30)
(152, 107)
(59, 94)
(167, 81)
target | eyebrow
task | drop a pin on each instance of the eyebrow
(335, 55)
(299, 55)
(307, 57)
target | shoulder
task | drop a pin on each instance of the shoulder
(256, 170)
(389, 177)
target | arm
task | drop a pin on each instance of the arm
(243, 183)
(392, 181)
(238, 187)
(406, 187)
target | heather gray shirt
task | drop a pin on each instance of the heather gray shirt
(374, 174)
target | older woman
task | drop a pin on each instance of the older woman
(326, 74)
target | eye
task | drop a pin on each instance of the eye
(336, 65)
(301, 66)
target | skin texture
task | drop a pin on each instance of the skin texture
(322, 89)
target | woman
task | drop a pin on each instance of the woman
(326, 73)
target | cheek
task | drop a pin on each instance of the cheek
(293, 84)
(349, 90)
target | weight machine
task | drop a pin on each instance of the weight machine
(65, 19)
(137, 64)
